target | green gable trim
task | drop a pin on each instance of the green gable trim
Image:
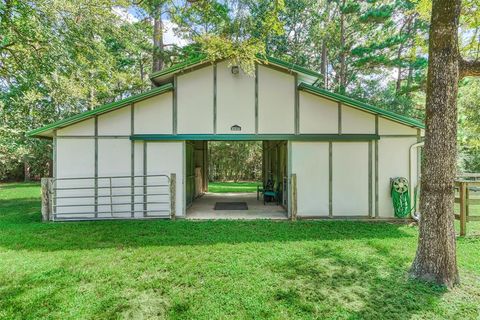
(361, 105)
(102, 109)
(255, 137)
(203, 59)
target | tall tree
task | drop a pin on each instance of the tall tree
(435, 259)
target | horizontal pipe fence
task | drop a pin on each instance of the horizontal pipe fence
(108, 197)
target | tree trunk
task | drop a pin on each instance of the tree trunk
(323, 64)
(157, 39)
(435, 260)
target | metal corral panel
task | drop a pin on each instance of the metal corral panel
(276, 101)
(195, 101)
(235, 100)
(350, 189)
(310, 162)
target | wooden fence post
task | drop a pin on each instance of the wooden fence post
(46, 184)
(173, 191)
(463, 208)
(294, 196)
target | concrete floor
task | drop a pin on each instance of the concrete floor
(202, 208)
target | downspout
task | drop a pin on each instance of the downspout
(414, 153)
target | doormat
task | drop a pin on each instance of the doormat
(230, 206)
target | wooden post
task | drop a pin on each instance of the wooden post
(294, 197)
(173, 191)
(463, 208)
(46, 184)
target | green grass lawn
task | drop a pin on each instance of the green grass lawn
(218, 269)
(223, 187)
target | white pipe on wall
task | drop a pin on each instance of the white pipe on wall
(414, 153)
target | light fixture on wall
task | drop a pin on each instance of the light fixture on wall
(236, 127)
(235, 70)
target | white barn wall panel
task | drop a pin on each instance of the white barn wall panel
(83, 128)
(356, 121)
(154, 115)
(235, 100)
(195, 101)
(276, 101)
(138, 149)
(388, 127)
(393, 161)
(310, 162)
(317, 115)
(114, 158)
(166, 158)
(350, 179)
(75, 158)
(115, 123)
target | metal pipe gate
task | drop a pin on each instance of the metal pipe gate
(112, 197)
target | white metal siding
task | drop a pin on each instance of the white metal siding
(195, 101)
(114, 158)
(393, 161)
(75, 158)
(276, 101)
(387, 127)
(310, 161)
(357, 122)
(317, 115)
(83, 128)
(154, 115)
(235, 100)
(115, 123)
(166, 158)
(350, 179)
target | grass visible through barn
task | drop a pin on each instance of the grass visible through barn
(218, 269)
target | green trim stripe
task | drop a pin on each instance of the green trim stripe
(102, 109)
(255, 137)
(361, 105)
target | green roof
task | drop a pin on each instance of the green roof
(361, 105)
(99, 110)
(203, 59)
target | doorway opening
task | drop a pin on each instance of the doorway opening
(236, 179)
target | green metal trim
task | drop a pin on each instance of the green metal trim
(255, 137)
(290, 66)
(361, 105)
(180, 66)
(175, 106)
(102, 109)
(296, 106)
(339, 118)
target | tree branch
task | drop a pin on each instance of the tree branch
(469, 68)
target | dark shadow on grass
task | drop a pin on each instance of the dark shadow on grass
(19, 185)
(336, 283)
(21, 229)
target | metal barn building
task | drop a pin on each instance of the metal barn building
(330, 156)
